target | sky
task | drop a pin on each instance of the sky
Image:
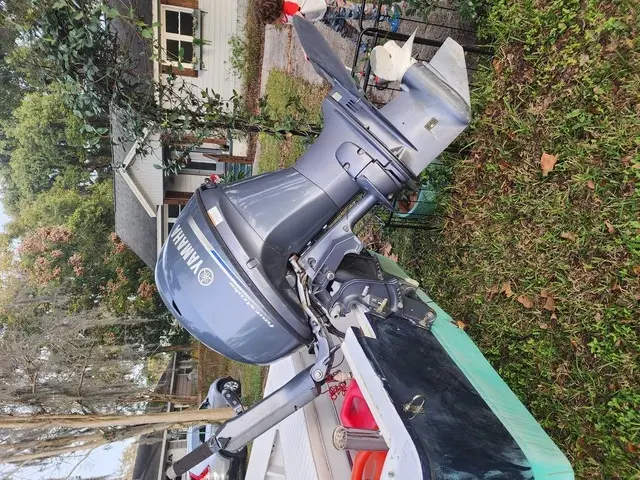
(3, 217)
(101, 461)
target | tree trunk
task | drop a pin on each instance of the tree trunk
(97, 421)
(159, 398)
(93, 441)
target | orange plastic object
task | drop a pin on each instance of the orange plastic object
(368, 465)
(355, 413)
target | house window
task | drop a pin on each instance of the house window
(178, 26)
(173, 211)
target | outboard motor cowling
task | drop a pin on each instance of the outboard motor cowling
(257, 268)
(226, 271)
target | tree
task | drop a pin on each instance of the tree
(70, 45)
(12, 86)
(44, 141)
(116, 427)
(58, 362)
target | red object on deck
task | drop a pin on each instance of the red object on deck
(355, 412)
(290, 8)
(368, 465)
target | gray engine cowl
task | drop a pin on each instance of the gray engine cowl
(213, 298)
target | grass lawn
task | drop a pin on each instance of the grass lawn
(288, 95)
(545, 269)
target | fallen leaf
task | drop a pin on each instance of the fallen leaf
(616, 287)
(610, 226)
(497, 65)
(554, 318)
(544, 293)
(568, 236)
(525, 301)
(460, 324)
(591, 185)
(549, 304)
(544, 326)
(631, 448)
(598, 317)
(574, 343)
(547, 162)
(386, 250)
(636, 270)
(612, 46)
(506, 288)
(493, 291)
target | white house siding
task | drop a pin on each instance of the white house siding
(185, 183)
(146, 176)
(223, 19)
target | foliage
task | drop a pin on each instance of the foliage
(238, 58)
(91, 63)
(469, 10)
(61, 363)
(233, 176)
(12, 88)
(44, 139)
(66, 243)
(297, 100)
(545, 270)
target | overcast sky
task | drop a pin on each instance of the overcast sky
(102, 461)
(3, 218)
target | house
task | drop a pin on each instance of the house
(156, 452)
(147, 202)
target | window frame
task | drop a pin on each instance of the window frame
(171, 221)
(164, 35)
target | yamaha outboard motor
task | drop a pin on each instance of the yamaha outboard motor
(258, 268)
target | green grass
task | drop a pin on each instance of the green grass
(252, 378)
(565, 81)
(287, 95)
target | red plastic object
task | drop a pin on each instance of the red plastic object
(355, 413)
(368, 465)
